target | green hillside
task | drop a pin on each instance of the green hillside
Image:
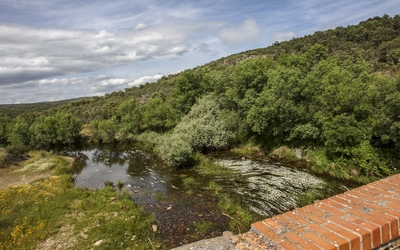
(334, 94)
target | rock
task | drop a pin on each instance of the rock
(98, 243)
(298, 153)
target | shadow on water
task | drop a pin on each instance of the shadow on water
(181, 200)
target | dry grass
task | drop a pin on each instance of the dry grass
(40, 165)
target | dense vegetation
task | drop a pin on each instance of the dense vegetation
(14, 110)
(335, 93)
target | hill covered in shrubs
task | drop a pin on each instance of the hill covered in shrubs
(335, 94)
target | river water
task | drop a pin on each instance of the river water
(181, 200)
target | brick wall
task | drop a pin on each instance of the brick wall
(363, 218)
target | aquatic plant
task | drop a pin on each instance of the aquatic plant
(271, 189)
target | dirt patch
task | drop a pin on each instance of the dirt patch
(10, 178)
(64, 239)
(15, 175)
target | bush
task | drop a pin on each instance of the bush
(148, 139)
(175, 150)
(370, 161)
(199, 131)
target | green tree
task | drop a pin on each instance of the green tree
(129, 114)
(4, 123)
(18, 131)
(202, 129)
(68, 128)
(156, 112)
(188, 87)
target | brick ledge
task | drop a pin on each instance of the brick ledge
(364, 218)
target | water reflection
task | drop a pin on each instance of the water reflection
(95, 165)
(264, 188)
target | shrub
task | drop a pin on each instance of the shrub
(370, 161)
(200, 130)
(175, 150)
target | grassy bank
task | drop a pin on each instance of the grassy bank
(49, 213)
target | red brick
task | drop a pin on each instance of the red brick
(287, 222)
(375, 231)
(390, 199)
(288, 246)
(368, 217)
(364, 233)
(319, 241)
(330, 209)
(364, 190)
(296, 239)
(341, 201)
(352, 199)
(315, 210)
(392, 212)
(353, 204)
(380, 191)
(294, 215)
(310, 216)
(334, 204)
(387, 188)
(393, 206)
(363, 195)
(272, 235)
(270, 222)
(351, 237)
(395, 185)
(394, 224)
(331, 236)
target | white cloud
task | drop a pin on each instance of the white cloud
(283, 36)
(145, 79)
(248, 32)
(29, 54)
(140, 26)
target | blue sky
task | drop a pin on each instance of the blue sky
(60, 49)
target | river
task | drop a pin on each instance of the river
(182, 200)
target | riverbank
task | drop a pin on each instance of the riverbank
(43, 210)
(224, 191)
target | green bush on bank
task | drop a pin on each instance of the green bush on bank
(202, 129)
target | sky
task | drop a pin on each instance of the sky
(62, 49)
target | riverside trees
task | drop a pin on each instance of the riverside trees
(335, 93)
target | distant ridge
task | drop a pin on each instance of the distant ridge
(14, 110)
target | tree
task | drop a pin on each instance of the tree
(129, 114)
(18, 131)
(4, 122)
(156, 112)
(68, 128)
(186, 90)
(202, 129)
(54, 129)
